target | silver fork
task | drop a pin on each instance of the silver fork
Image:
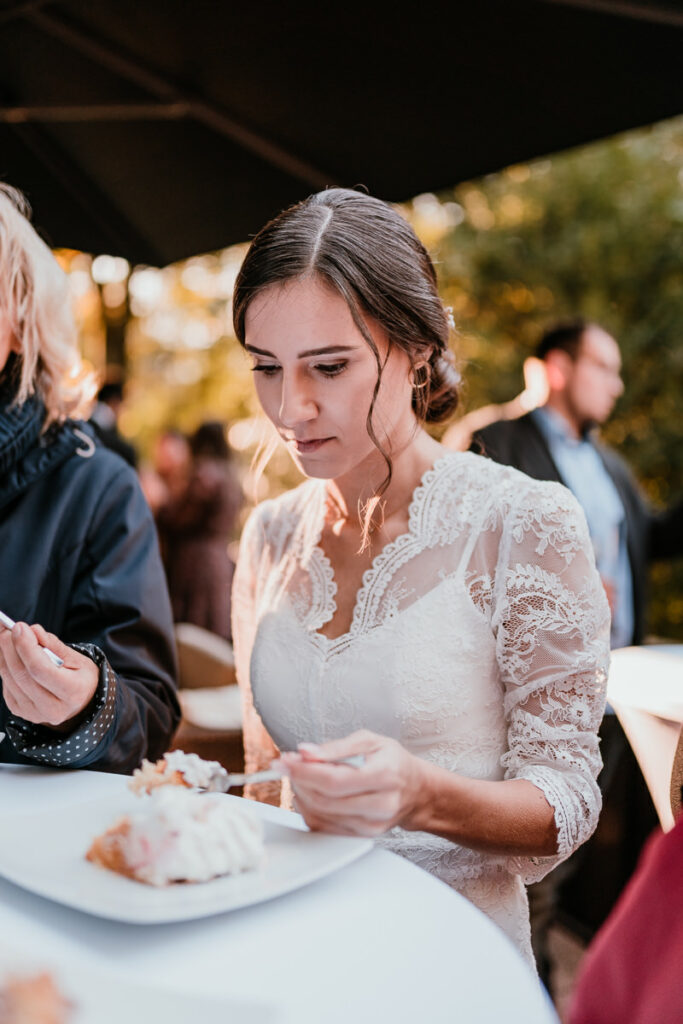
(9, 623)
(224, 782)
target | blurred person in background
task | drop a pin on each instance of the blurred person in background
(459, 435)
(558, 441)
(105, 419)
(172, 462)
(196, 524)
(79, 558)
(166, 478)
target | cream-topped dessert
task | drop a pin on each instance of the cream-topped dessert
(180, 836)
(177, 768)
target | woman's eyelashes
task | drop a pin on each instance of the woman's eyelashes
(331, 369)
(270, 369)
(325, 369)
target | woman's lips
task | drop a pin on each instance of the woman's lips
(308, 447)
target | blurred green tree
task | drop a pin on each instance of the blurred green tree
(597, 231)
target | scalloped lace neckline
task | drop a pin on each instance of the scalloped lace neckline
(393, 549)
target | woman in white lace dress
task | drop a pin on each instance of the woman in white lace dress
(435, 611)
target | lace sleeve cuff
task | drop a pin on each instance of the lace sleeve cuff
(576, 816)
(44, 745)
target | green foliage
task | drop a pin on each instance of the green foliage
(598, 232)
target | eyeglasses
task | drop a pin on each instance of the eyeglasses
(609, 370)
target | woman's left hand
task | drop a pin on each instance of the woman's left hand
(357, 801)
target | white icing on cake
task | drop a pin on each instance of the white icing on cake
(179, 835)
(195, 770)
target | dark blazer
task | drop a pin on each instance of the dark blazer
(649, 535)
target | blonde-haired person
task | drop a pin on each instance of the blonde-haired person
(79, 559)
(37, 323)
(433, 611)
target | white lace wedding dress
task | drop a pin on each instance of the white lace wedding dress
(479, 640)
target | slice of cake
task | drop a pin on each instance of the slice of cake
(179, 769)
(180, 836)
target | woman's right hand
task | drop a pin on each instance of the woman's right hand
(360, 801)
(37, 690)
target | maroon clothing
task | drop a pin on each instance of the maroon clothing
(633, 971)
(195, 530)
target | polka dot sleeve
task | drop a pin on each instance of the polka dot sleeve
(47, 747)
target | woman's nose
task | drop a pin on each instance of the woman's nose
(297, 404)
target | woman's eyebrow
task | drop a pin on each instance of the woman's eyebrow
(259, 351)
(304, 355)
(325, 351)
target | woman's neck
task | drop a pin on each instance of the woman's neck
(350, 497)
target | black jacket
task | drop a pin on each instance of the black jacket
(79, 555)
(649, 536)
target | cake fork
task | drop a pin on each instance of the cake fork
(224, 781)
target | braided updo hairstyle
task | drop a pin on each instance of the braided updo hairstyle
(368, 253)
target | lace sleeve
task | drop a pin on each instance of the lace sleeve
(259, 749)
(551, 621)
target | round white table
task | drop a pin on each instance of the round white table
(645, 688)
(649, 678)
(379, 939)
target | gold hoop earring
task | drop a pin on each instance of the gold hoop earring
(425, 382)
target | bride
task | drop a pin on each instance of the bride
(434, 611)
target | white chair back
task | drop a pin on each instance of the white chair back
(204, 659)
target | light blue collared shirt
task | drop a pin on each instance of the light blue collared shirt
(584, 473)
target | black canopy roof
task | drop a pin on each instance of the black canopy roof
(162, 128)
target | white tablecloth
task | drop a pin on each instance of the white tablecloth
(649, 678)
(379, 940)
(645, 688)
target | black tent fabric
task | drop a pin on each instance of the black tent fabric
(160, 129)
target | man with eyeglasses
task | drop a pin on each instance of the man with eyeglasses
(558, 441)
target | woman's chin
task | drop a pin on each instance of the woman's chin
(320, 470)
(345, 462)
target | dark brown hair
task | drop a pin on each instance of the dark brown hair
(209, 440)
(365, 250)
(565, 335)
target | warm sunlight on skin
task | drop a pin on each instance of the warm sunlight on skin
(315, 376)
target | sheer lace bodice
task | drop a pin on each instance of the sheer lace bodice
(479, 640)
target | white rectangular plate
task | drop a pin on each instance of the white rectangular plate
(46, 855)
(97, 997)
